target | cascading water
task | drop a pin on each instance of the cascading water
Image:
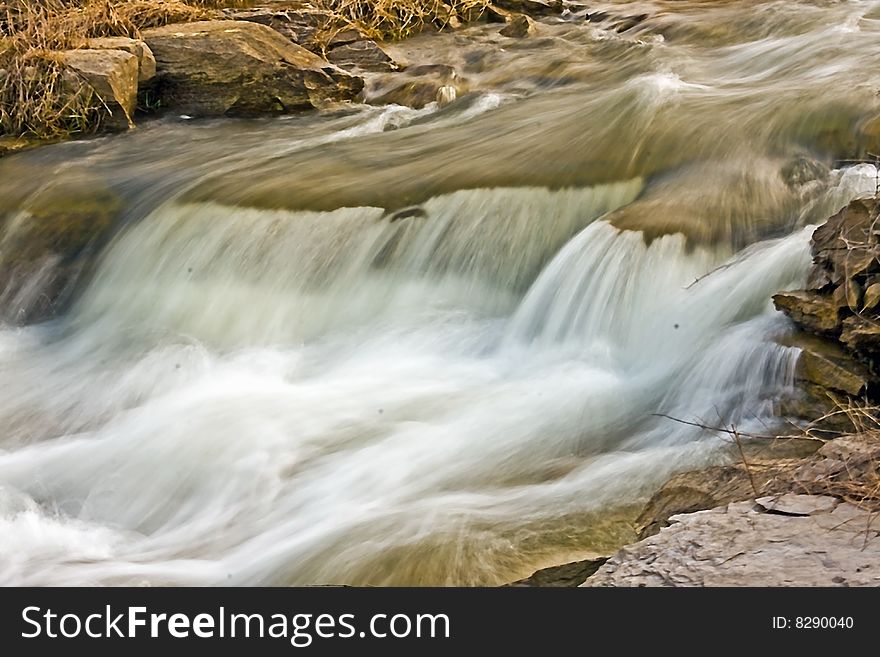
(452, 382)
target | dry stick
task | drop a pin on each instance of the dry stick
(736, 438)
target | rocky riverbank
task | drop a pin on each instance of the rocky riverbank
(775, 518)
(107, 68)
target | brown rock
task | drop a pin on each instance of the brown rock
(305, 27)
(835, 371)
(146, 61)
(742, 544)
(417, 94)
(861, 334)
(361, 55)
(213, 68)
(871, 297)
(810, 310)
(49, 247)
(565, 575)
(518, 26)
(113, 74)
(844, 245)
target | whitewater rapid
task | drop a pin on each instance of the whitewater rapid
(312, 355)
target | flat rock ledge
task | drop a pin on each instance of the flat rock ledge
(786, 540)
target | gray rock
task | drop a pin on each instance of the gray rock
(518, 26)
(797, 505)
(742, 544)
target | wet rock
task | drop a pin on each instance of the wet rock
(415, 94)
(213, 68)
(46, 249)
(797, 505)
(565, 575)
(415, 212)
(361, 55)
(742, 544)
(810, 310)
(518, 26)
(136, 47)
(113, 74)
(830, 367)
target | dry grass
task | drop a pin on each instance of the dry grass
(38, 96)
(396, 19)
(855, 479)
(858, 482)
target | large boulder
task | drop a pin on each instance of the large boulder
(113, 74)
(215, 68)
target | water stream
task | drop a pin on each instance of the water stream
(378, 345)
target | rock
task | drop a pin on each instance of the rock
(797, 505)
(214, 68)
(518, 26)
(741, 544)
(832, 368)
(113, 74)
(861, 335)
(704, 489)
(146, 61)
(871, 297)
(810, 310)
(852, 292)
(363, 55)
(844, 245)
(47, 249)
(417, 94)
(565, 575)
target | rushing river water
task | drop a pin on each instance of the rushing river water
(380, 345)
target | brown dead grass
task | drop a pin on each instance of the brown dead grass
(396, 19)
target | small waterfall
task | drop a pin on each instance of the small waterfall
(395, 346)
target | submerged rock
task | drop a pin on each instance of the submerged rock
(214, 68)
(518, 26)
(47, 248)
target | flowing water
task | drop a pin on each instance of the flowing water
(376, 345)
